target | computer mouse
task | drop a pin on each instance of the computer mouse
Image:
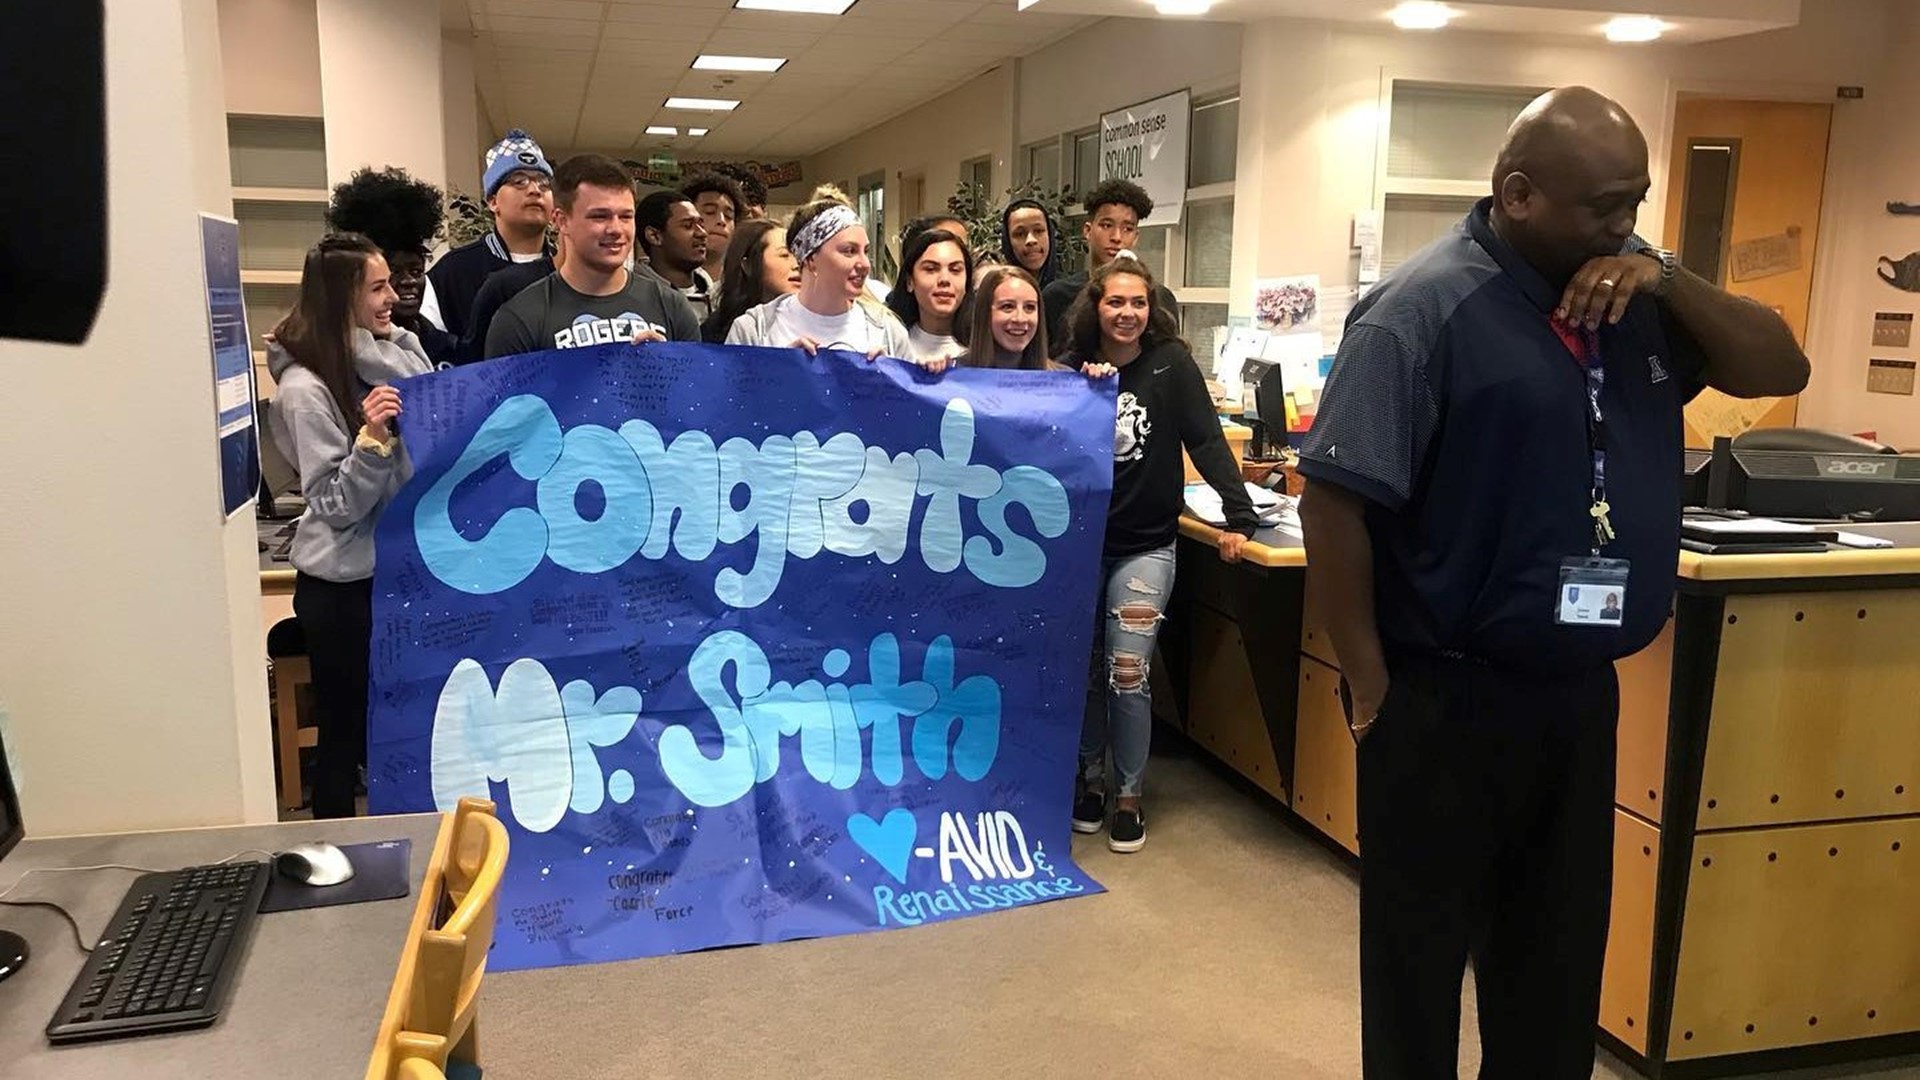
(315, 862)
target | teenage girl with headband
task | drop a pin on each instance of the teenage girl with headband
(831, 247)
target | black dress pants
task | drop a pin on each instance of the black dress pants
(1486, 830)
(337, 620)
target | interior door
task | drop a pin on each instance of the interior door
(1743, 202)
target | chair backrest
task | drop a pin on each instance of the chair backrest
(420, 1069)
(452, 957)
(431, 1006)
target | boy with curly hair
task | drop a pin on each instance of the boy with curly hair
(402, 216)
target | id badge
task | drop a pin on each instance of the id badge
(1593, 592)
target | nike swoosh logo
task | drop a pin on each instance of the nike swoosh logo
(1163, 370)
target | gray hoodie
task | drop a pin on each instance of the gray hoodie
(345, 488)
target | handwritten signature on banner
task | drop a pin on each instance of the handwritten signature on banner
(838, 689)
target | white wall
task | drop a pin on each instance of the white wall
(459, 112)
(1119, 62)
(971, 121)
(129, 640)
(275, 49)
(380, 86)
(1312, 102)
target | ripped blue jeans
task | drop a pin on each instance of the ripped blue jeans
(1133, 600)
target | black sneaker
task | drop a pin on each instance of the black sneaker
(1089, 810)
(1128, 832)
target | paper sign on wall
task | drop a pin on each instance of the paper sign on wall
(234, 433)
(1147, 144)
(1766, 256)
(1368, 225)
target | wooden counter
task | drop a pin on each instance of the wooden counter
(1767, 839)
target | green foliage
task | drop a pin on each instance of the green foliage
(974, 204)
(467, 218)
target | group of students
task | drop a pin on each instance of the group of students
(712, 267)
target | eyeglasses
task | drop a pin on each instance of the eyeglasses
(525, 181)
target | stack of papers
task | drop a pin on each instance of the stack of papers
(1273, 508)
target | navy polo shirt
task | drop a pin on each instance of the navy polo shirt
(1458, 413)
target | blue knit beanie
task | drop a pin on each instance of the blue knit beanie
(515, 152)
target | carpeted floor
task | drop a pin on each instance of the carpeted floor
(1225, 949)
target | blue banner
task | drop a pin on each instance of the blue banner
(748, 646)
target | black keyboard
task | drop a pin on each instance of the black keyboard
(169, 955)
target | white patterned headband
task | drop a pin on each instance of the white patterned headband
(814, 234)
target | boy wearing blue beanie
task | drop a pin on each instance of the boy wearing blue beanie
(518, 184)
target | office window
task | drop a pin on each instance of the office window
(870, 203)
(1201, 325)
(978, 173)
(1213, 146)
(1152, 249)
(1411, 222)
(1043, 164)
(1086, 161)
(1707, 221)
(1450, 132)
(1209, 242)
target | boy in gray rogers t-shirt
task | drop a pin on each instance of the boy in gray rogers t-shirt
(593, 299)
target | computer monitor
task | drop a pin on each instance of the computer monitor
(1810, 484)
(13, 947)
(1264, 408)
(1694, 473)
(278, 476)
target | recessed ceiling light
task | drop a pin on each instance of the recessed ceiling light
(1182, 7)
(1628, 29)
(705, 104)
(738, 63)
(1421, 15)
(696, 132)
(658, 130)
(802, 7)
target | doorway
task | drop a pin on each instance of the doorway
(1743, 211)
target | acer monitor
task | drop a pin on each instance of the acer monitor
(1817, 486)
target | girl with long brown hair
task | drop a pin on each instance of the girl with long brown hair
(1163, 406)
(333, 418)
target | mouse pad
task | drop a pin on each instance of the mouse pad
(379, 873)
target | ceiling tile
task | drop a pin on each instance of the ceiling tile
(546, 9)
(666, 15)
(539, 27)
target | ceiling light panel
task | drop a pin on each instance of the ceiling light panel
(1421, 15)
(703, 104)
(797, 7)
(705, 62)
(1633, 29)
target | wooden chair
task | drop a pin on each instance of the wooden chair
(292, 675)
(432, 1006)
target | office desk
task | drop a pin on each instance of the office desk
(1767, 829)
(311, 986)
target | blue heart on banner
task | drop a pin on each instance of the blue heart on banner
(889, 840)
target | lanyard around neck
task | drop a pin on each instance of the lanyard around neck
(1583, 345)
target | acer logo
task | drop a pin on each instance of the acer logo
(1856, 468)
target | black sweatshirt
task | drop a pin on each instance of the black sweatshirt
(1163, 406)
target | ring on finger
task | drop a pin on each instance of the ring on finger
(1606, 282)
